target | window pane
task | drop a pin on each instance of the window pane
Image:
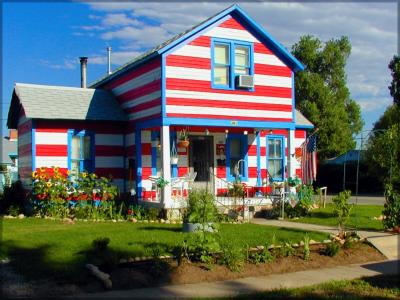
(221, 75)
(75, 167)
(271, 149)
(278, 169)
(235, 148)
(278, 149)
(76, 147)
(271, 168)
(86, 147)
(241, 71)
(242, 56)
(221, 54)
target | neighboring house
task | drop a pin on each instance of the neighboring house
(127, 124)
(9, 159)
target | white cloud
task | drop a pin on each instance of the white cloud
(117, 58)
(67, 64)
(119, 20)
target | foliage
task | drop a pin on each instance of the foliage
(305, 201)
(262, 256)
(285, 250)
(391, 209)
(233, 258)
(306, 248)
(203, 245)
(184, 135)
(294, 181)
(237, 190)
(331, 249)
(323, 96)
(161, 182)
(14, 198)
(201, 207)
(137, 211)
(342, 209)
(394, 87)
(152, 213)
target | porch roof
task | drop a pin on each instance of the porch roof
(302, 121)
(60, 102)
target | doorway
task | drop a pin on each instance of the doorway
(201, 160)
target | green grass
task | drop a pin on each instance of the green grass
(378, 287)
(39, 247)
(361, 216)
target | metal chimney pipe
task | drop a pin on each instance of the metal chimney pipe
(83, 61)
(109, 59)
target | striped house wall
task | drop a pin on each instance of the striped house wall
(25, 149)
(139, 91)
(188, 81)
(299, 137)
(51, 146)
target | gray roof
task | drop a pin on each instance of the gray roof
(301, 120)
(60, 102)
(8, 147)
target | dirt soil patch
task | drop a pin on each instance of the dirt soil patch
(141, 275)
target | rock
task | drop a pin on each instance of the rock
(103, 277)
(123, 261)
(85, 220)
(260, 247)
(301, 243)
(21, 216)
(5, 261)
(295, 245)
(173, 222)
(145, 221)
(162, 221)
(313, 242)
(131, 259)
(167, 222)
(326, 241)
(151, 221)
(138, 259)
(133, 220)
(9, 217)
(114, 221)
(239, 218)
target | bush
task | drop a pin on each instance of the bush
(201, 207)
(100, 244)
(152, 213)
(233, 258)
(305, 201)
(331, 249)
(203, 245)
(342, 209)
(306, 248)
(262, 256)
(14, 197)
(391, 209)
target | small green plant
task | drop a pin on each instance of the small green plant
(101, 243)
(13, 210)
(201, 208)
(342, 210)
(233, 258)
(203, 245)
(161, 182)
(391, 209)
(286, 249)
(331, 249)
(152, 213)
(262, 256)
(306, 248)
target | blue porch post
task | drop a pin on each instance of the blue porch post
(138, 147)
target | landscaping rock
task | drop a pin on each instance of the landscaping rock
(326, 241)
(167, 222)
(133, 220)
(151, 221)
(21, 216)
(162, 221)
(103, 277)
(123, 261)
(9, 217)
(313, 242)
(114, 221)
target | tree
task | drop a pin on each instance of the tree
(394, 87)
(323, 96)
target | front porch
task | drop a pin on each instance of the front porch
(215, 158)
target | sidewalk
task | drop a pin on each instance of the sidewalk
(387, 243)
(251, 285)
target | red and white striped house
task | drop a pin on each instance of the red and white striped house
(227, 82)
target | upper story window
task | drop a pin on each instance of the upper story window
(275, 157)
(81, 151)
(230, 59)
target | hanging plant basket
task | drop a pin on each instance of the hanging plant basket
(183, 144)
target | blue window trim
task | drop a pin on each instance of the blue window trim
(154, 135)
(232, 44)
(244, 139)
(81, 133)
(174, 167)
(138, 148)
(283, 147)
(33, 141)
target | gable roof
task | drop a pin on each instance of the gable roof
(234, 10)
(302, 121)
(60, 102)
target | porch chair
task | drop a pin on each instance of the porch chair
(177, 186)
(189, 179)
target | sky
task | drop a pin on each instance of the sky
(42, 42)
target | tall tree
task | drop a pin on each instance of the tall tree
(322, 94)
(394, 87)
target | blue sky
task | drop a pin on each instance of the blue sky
(42, 41)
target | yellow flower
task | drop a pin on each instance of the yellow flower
(42, 177)
(42, 169)
(94, 176)
(56, 169)
(84, 174)
(49, 184)
(34, 174)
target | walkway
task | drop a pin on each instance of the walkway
(251, 285)
(387, 243)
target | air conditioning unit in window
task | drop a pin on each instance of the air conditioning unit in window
(245, 81)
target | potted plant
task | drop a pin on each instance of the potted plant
(183, 138)
(174, 155)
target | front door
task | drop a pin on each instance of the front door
(201, 161)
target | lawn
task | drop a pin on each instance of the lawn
(378, 287)
(40, 247)
(361, 216)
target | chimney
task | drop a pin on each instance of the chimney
(109, 59)
(83, 61)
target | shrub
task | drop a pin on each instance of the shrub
(391, 209)
(306, 249)
(14, 197)
(305, 201)
(233, 258)
(331, 249)
(100, 244)
(342, 209)
(203, 245)
(285, 250)
(152, 213)
(262, 256)
(201, 207)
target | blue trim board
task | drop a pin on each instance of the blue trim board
(174, 167)
(148, 123)
(163, 86)
(33, 145)
(258, 141)
(153, 154)
(138, 147)
(227, 123)
(70, 134)
(244, 153)
(293, 100)
(304, 126)
(283, 152)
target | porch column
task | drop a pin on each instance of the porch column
(291, 159)
(166, 166)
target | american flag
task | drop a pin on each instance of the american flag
(309, 160)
